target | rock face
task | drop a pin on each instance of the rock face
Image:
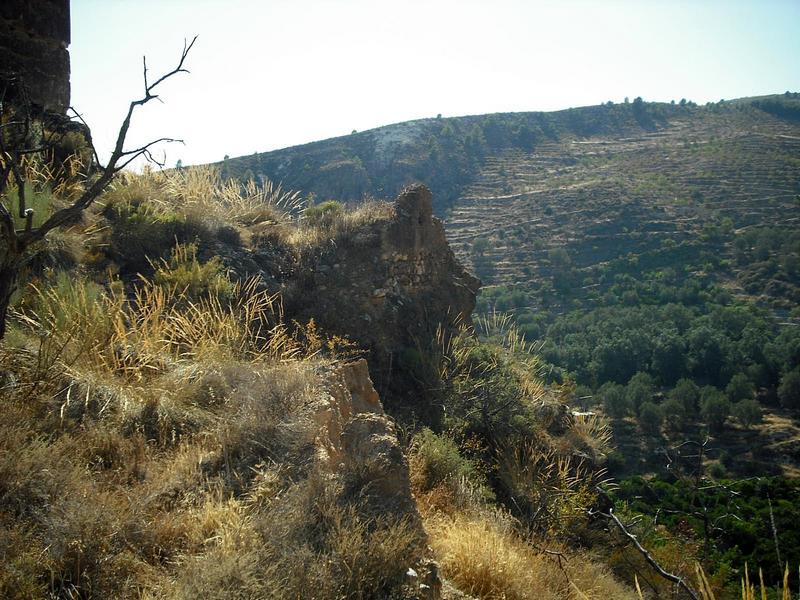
(34, 35)
(355, 437)
(389, 288)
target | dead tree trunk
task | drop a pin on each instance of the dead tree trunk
(9, 273)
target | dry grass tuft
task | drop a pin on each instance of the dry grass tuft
(551, 492)
(341, 226)
(484, 557)
(161, 444)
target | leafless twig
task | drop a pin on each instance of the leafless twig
(679, 581)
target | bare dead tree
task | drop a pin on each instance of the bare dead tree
(16, 125)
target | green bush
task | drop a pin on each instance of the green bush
(324, 212)
(195, 280)
(747, 412)
(141, 235)
(436, 460)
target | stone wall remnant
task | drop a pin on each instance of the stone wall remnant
(34, 36)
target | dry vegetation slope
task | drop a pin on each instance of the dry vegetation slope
(175, 436)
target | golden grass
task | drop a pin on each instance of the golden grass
(485, 558)
(342, 226)
(201, 192)
(748, 587)
(160, 445)
(551, 492)
(157, 441)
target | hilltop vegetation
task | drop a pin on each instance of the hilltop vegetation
(446, 154)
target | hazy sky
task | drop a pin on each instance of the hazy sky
(266, 75)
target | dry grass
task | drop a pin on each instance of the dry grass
(783, 591)
(340, 226)
(157, 441)
(162, 445)
(484, 557)
(591, 435)
(201, 192)
(550, 492)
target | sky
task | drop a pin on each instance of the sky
(276, 73)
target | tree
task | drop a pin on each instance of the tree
(688, 394)
(639, 390)
(650, 417)
(789, 389)
(714, 408)
(669, 357)
(479, 246)
(614, 402)
(674, 413)
(740, 388)
(747, 412)
(18, 140)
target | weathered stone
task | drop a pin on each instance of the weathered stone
(356, 439)
(34, 35)
(398, 302)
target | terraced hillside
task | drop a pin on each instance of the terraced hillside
(642, 182)
(652, 200)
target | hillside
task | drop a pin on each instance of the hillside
(651, 251)
(446, 154)
(639, 180)
(211, 387)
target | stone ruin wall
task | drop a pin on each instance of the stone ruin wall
(34, 36)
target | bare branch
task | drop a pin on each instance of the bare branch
(647, 556)
(114, 165)
(178, 69)
(80, 118)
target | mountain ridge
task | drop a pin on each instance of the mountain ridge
(444, 152)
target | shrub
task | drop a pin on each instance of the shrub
(550, 493)
(323, 213)
(141, 233)
(184, 273)
(490, 387)
(789, 389)
(747, 412)
(714, 407)
(435, 460)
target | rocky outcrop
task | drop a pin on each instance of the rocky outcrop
(389, 288)
(34, 35)
(356, 439)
